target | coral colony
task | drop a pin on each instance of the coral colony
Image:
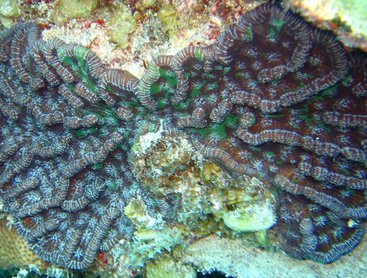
(272, 98)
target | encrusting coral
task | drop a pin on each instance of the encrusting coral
(15, 250)
(273, 101)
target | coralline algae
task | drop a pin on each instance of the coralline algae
(94, 159)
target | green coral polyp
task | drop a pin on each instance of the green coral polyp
(69, 62)
(155, 89)
(248, 34)
(306, 119)
(226, 70)
(162, 103)
(97, 166)
(231, 121)
(84, 132)
(330, 91)
(169, 76)
(113, 186)
(80, 67)
(196, 91)
(182, 105)
(80, 54)
(220, 130)
(165, 85)
(199, 55)
(278, 24)
(240, 74)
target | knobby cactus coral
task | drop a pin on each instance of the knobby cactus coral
(272, 98)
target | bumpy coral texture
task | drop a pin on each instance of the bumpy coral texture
(272, 98)
(15, 250)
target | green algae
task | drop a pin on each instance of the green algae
(9, 11)
(80, 8)
(169, 16)
(120, 25)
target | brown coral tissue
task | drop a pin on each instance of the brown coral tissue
(272, 98)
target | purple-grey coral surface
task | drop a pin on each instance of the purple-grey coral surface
(272, 97)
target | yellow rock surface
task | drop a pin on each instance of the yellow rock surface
(14, 250)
